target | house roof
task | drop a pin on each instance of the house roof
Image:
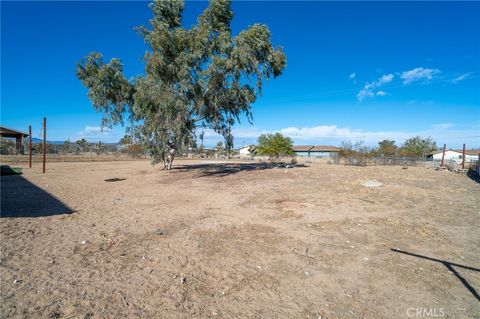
(473, 152)
(469, 152)
(9, 132)
(302, 148)
(325, 148)
(312, 148)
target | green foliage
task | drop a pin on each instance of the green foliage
(131, 146)
(219, 148)
(252, 149)
(274, 145)
(50, 148)
(418, 147)
(229, 141)
(99, 148)
(359, 149)
(413, 147)
(66, 146)
(202, 76)
(346, 149)
(82, 144)
(387, 148)
(126, 140)
(134, 150)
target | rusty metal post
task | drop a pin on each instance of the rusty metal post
(44, 143)
(443, 154)
(463, 157)
(30, 147)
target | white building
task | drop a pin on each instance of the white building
(245, 151)
(454, 155)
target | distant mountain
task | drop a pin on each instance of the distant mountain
(36, 140)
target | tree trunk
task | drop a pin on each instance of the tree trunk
(167, 162)
(170, 158)
(170, 161)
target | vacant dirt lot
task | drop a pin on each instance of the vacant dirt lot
(239, 240)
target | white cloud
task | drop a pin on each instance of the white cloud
(385, 78)
(461, 77)
(382, 93)
(352, 77)
(332, 131)
(96, 133)
(442, 126)
(370, 88)
(418, 74)
(90, 130)
(365, 92)
(334, 135)
(210, 134)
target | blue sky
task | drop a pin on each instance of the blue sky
(355, 71)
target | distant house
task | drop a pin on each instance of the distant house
(19, 136)
(456, 155)
(319, 151)
(245, 151)
(302, 150)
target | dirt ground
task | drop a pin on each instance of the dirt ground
(213, 240)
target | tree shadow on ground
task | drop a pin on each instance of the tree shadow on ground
(473, 176)
(225, 169)
(21, 198)
(450, 266)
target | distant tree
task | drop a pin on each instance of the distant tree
(359, 149)
(229, 141)
(202, 76)
(131, 146)
(126, 140)
(387, 148)
(82, 144)
(219, 148)
(418, 147)
(99, 148)
(274, 145)
(346, 149)
(201, 141)
(134, 150)
(37, 148)
(66, 146)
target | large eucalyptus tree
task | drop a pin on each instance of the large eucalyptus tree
(198, 77)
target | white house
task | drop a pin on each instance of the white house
(455, 155)
(245, 151)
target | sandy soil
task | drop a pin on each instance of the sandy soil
(239, 240)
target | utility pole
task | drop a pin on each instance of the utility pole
(44, 142)
(443, 154)
(463, 157)
(30, 147)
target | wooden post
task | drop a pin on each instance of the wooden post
(30, 147)
(463, 157)
(443, 154)
(44, 142)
